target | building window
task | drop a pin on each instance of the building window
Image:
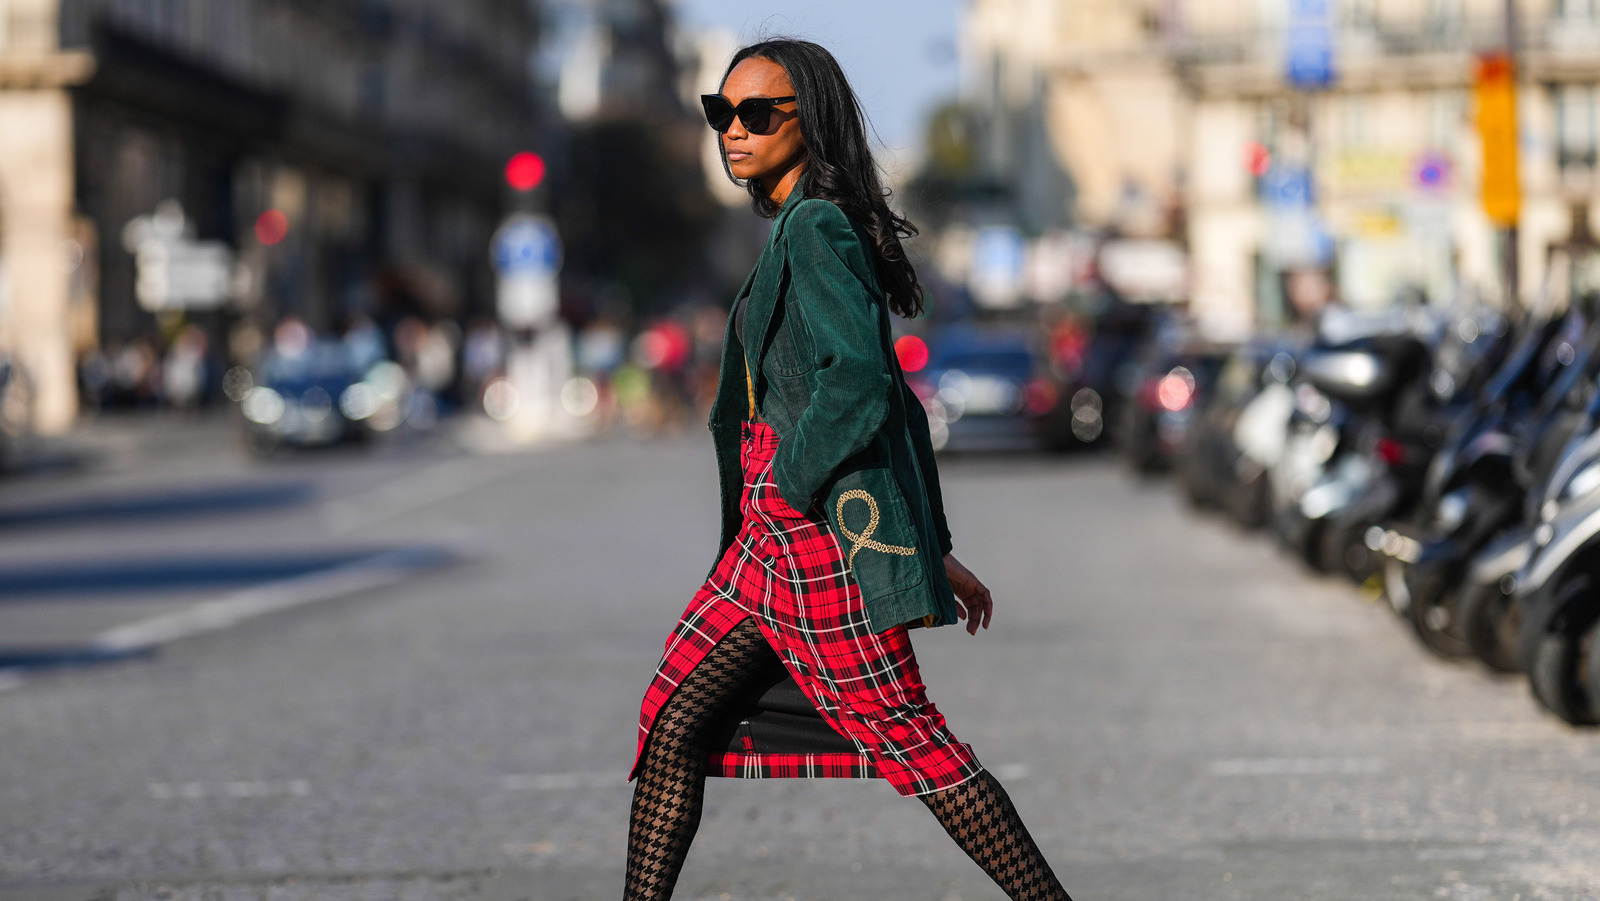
(1576, 126)
(1354, 121)
(1578, 9)
(1270, 16)
(1446, 112)
(1444, 13)
(1360, 14)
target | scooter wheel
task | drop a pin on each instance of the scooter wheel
(1558, 678)
(1438, 625)
(1344, 551)
(1592, 667)
(1492, 621)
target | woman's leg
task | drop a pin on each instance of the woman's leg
(979, 815)
(672, 776)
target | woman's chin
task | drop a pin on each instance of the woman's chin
(745, 169)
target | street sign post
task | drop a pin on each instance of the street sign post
(526, 251)
(999, 258)
(173, 271)
(184, 275)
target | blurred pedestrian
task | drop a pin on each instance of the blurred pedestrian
(837, 541)
(185, 372)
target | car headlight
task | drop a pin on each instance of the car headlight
(262, 406)
(1452, 510)
(1585, 480)
(359, 401)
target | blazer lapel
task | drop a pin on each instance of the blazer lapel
(764, 286)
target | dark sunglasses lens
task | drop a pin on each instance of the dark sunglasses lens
(719, 112)
(756, 114)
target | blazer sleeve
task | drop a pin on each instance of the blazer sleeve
(834, 292)
(922, 443)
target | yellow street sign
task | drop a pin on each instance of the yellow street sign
(1496, 92)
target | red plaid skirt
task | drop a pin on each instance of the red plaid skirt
(788, 570)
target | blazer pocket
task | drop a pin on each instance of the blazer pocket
(790, 352)
(875, 531)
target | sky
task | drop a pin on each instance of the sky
(901, 55)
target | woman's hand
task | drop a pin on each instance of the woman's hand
(972, 594)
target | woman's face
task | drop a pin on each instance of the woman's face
(768, 157)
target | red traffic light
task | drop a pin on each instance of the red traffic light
(525, 171)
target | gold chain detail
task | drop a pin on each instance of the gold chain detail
(864, 540)
(749, 388)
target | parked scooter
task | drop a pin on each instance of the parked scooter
(1491, 606)
(1466, 350)
(1557, 595)
(1478, 489)
(1345, 397)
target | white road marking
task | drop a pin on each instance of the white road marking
(195, 791)
(1297, 766)
(545, 782)
(360, 575)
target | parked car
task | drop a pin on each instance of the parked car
(1174, 377)
(986, 386)
(1215, 470)
(318, 397)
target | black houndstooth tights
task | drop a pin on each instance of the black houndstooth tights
(666, 803)
(672, 779)
(979, 815)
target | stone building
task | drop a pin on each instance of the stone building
(372, 133)
(1185, 106)
(1391, 146)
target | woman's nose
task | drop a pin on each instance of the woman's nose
(736, 129)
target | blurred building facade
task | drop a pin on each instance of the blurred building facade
(634, 208)
(1093, 76)
(1391, 146)
(372, 132)
(1177, 116)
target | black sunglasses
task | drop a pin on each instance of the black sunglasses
(754, 112)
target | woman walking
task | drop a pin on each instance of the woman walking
(833, 533)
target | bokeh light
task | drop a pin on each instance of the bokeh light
(272, 227)
(913, 353)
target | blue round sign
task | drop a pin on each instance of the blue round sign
(527, 245)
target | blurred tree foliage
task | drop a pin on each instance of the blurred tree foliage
(952, 173)
(949, 142)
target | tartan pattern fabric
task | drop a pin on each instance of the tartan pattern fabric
(791, 766)
(788, 570)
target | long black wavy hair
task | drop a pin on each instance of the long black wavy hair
(839, 163)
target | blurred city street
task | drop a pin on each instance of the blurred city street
(355, 359)
(1179, 711)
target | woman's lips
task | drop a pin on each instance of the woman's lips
(737, 155)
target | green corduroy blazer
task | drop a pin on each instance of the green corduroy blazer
(853, 439)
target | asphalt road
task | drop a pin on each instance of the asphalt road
(1178, 711)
